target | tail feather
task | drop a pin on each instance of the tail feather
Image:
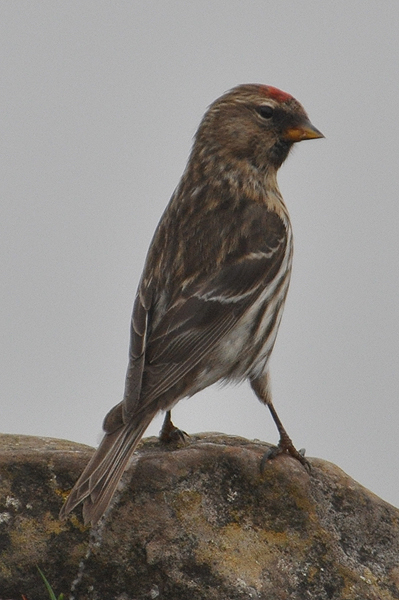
(98, 482)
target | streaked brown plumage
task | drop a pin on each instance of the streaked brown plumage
(214, 283)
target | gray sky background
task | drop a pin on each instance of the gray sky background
(99, 103)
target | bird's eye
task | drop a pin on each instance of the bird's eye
(265, 111)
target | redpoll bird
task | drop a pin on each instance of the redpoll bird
(212, 293)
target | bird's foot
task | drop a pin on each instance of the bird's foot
(285, 446)
(175, 435)
(172, 434)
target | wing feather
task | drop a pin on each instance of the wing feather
(194, 323)
(138, 337)
(191, 330)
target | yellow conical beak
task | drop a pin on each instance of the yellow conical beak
(305, 131)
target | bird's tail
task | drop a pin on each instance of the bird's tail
(98, 482)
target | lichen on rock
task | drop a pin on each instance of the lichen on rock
(198, 521)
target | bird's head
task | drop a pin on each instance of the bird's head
(254, 122)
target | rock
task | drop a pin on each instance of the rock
(195, 522)
(34, 475)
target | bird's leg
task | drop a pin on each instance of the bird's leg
(170, 433)
(285, 446)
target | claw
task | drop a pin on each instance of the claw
(269, 455)
(174, 435)
(170, 433)
(285, 446)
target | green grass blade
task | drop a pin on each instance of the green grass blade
(49, 588)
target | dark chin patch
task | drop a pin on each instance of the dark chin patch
(279, 152)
